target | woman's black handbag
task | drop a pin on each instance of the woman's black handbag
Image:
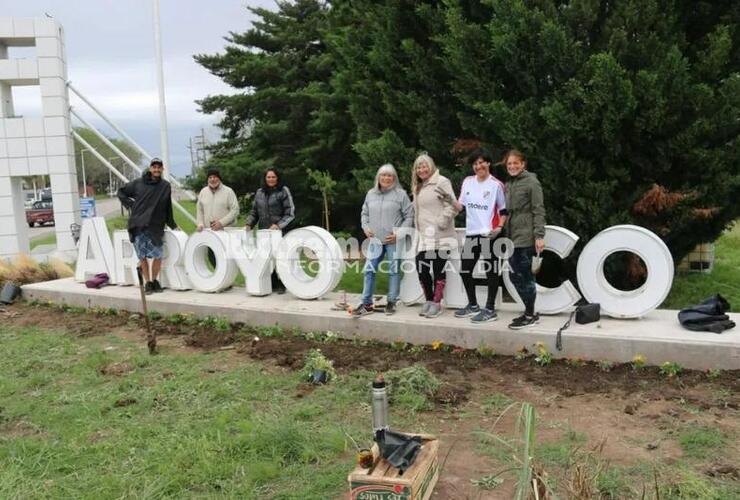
(585, 314)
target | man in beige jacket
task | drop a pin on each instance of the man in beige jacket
(217, 207)
(217, 204)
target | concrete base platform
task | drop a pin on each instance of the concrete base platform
(657, 336)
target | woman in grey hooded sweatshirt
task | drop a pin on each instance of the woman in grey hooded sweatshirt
(386, 206)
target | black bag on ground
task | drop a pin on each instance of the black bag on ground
(709, 316)
(584, 314)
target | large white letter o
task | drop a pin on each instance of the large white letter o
(328, 252)
(196, 249)
(619, 303)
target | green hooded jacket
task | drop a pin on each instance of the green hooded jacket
(526, 207)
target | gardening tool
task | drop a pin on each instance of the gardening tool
(151, 336)
(536, 263)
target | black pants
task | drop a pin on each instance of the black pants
(522, 277)
(428, 262)
(475, 248)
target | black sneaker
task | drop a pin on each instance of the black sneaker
(149, 288)
(157, 287)
(524, 321)
(362, 310)
(467, 311)
(484, 316)
(390, 308)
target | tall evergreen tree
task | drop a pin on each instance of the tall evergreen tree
(390, 73)
(285, 115)
(628, 110)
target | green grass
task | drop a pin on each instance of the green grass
(176, 426)
(49, 239)
(724, 279)
(700, 442)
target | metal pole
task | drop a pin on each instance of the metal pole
(123, 134)
(84, 180)
(160, 83)
(110, 177)
(106, 141)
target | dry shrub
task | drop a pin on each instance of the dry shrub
(463, 147)
(584, 470)
(5, 271)
(58, 269)
(704, 213)
(24, 270)
(657, 200)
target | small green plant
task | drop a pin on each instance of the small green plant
(312, 336)
(154, 315)
(399, 345)
(330, 337)
(220, 324)
(176, 319)
(638, 362)
(713, 373)
(315, 360)
(670, 369)
(522, 354)
(417, 349)
(485, 352)
(575, 362)
(488, 482)
(271, 331)
(605, 365)
(544, 357)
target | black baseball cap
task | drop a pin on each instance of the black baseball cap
(156, 161)
(213, 171)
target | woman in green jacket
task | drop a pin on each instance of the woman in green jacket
(526, 228)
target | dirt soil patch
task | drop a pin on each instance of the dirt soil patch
(634, 414)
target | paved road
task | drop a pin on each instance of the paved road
(108, 207)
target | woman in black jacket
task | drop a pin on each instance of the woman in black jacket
(272, 208)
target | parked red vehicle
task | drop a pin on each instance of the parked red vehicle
(41, 212)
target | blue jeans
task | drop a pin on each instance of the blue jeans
(522, 277)
(375, 254)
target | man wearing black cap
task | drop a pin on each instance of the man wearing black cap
(149, 199)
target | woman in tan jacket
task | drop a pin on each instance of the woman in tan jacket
(434, 216)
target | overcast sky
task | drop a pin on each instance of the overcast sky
(110, 58)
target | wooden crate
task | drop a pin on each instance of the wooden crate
(382, 482)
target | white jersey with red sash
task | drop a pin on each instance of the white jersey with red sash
(484, 203)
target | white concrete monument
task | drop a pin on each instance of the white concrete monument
(35, 145)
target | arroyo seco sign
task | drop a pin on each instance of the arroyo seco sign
(256, 254)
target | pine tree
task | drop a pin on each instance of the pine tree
(609, 99)
(390, 73)
(285, 115)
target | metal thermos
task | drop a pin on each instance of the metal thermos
(380, 405)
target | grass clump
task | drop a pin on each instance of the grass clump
(24, 270)
(413, 386)
(699, 441)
